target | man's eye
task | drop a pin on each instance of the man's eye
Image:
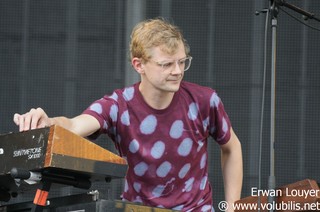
(167, 65)
(182, 62)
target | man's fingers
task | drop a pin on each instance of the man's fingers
(31, 120)
(41, 124)
(16, 118)
(19, 120)
(35, 121)
(21, 123)
(27, 121)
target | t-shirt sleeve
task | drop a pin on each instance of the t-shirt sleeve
(105, 110)
(220, 124)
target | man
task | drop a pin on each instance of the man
(160, 125)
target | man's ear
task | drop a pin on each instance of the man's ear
(137, 65)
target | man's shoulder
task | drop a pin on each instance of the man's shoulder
(123, 94)
(196, 89)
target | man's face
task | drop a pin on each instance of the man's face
(163, 71)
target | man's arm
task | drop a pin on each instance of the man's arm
(232, 170)
(83, 125)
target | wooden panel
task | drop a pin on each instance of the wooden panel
(59, 155)
(64, 142)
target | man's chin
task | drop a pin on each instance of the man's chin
(173, 88)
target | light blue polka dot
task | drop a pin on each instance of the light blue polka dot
(200, 201)
(138, 199)
(203, 161)
(184, 170)
(164, 169)
(128, 93)
(184, 148)
(96, 107)
(148, 125)
(125, 119)
(203, 183)
(178, 208)
(105, 125)
(205, 124)
(214, 100)
(140, 169)
(137, 186)
(200, 145)
(193, 111)
(176, 129)
(157, 191)
(114, 96)
(134, 146)
(206, 208)
(157, 150)
(114, 113)
(225, 126)
(126, 187)
(160, 206)
(188, 185)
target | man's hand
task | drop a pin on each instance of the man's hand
(35, 118)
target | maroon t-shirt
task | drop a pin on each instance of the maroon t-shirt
(166, 150)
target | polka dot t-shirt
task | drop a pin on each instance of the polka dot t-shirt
(166, 150)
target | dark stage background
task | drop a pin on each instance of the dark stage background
(63, 54)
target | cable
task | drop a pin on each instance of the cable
(300, 21)
(263, 102)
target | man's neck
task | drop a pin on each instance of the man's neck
(156, 99)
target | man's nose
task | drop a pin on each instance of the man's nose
(177, 69)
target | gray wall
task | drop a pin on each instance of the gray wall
(61, 55)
